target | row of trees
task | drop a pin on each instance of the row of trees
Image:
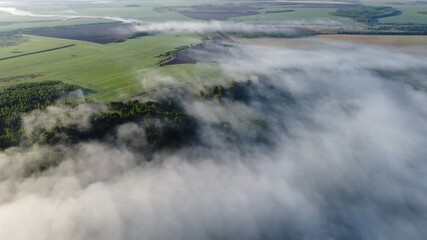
(383, 29)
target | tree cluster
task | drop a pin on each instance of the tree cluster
(165, 123)
(23, 98)
(366, 14)
(236, 91)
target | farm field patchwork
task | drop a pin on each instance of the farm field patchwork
(111, 71)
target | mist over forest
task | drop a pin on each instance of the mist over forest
(341, 156)
(311, 139)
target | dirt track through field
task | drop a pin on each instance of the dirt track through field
(42, 51)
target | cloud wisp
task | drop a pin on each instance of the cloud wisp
(170, 26)
(211, 26)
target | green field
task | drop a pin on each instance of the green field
(111, 71)
(33, 44)
(307, 16)
(410, 14)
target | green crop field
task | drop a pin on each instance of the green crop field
(310, 16)
(111, 71)
(32, 44)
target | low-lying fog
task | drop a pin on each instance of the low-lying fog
(347, 160)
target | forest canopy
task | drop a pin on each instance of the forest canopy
(366, 14)
(23, 98)
(165, 122)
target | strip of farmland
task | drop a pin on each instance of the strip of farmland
(37, 52)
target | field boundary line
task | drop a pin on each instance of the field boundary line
(37, 52)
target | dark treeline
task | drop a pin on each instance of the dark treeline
(279, 11)
(262, 95)
(246, 92)
(383, 29)
(162, 124)
(296, 33)
(404, 28)
(366, 14)
(236, 91)
(24, 98)
(146, 127)
(37, 52)
(171, 57)
(165, 123)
